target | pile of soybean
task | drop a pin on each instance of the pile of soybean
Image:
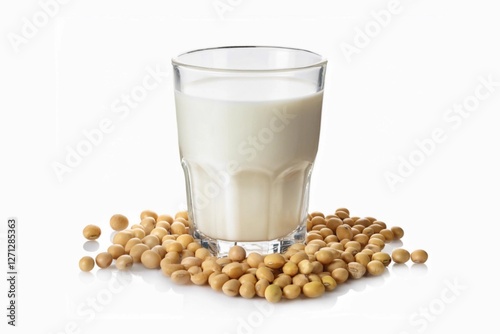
(338, 247)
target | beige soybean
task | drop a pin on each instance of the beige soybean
(136, 252)
(325, 256)
(151, 240)
(169, 268)
(122, 237)
(261, 286)
(181, 277)
(342, 214)
(328, 282)
(163, 224)
(300, 280)
(150, 259)
(194, 270)
(265, 273)
(299, 256)
(344, 232)
(231, 287)
(138, 233)
(383, 257)
(191, 261)
(149, 213)
(313, 289)
(254, 259)
(274, 261)
(388, 234)
(174, 246)
(377, 242)
(378, 236)
(86, 263)
(340, 275)
(91, 232)
(305, 267)
(283, 280)
(400, 255)
(398, 232)
(375, 268)
(124, 262)
(216, 281)
(291, 291)
(237, 253)
(337, 263)
(273, 293)
(247, 290)
(356, 270)
(186, 253)
(148, 224)
(160, 232)
(233, 270)
(314, 278)
(249, 277)
(131, 243)
(118, 222)
(160, 250)
(172, 257)
(185, 240)
(116, 250)
(290, 268)
(177, 228)
(201, 253)
(362, 258)
(211, 265)
(182, 214)
(103, 260)
(419, 256)
(163, 217)
(193, 247)
(200, 278)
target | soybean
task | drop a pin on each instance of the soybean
(103, 260)
(86, 263)
(91, 232)
(400, 255)
(118, 222)
(419, 256)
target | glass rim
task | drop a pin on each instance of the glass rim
(176, 61)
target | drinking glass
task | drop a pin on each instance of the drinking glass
(248, 123)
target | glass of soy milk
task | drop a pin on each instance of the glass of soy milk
(248, 122)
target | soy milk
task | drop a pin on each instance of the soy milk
(247, 149)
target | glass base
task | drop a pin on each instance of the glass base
(220, 248)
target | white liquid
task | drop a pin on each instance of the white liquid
(248, 162)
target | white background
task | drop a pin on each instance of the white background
(397, 89)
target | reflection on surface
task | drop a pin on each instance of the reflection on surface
(418, 269)
(91, 246)
(86, 277)
(400, 269)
